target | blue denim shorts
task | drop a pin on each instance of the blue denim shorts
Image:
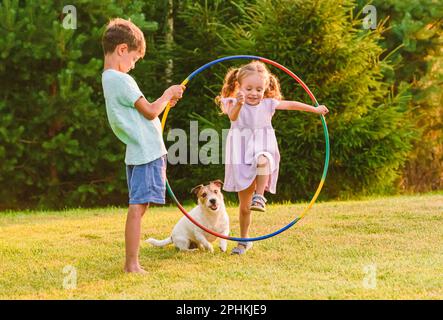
(147, 182)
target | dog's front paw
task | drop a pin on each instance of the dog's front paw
(223, 245)
(210, 248)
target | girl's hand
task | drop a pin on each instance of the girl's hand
(321, 109)
(240, 99)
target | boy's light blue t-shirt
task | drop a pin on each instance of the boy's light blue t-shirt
(143, 137)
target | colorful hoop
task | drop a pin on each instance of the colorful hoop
(325, 167)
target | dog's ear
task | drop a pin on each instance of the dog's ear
(218, 183)
(196, 189)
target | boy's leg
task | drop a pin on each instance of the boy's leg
(146, 183)
(132, 237)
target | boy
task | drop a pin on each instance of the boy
(135, 122)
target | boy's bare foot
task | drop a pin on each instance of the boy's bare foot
(135, 269)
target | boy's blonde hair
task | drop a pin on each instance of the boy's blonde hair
(120, 31)
(235, 76)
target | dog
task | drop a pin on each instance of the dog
(210, 212)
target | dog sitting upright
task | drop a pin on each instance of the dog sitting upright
(210, 212)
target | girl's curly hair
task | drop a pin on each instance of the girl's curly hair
(234, 76)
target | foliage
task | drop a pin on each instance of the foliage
(57, 148)
(370, 134)
(414, 47)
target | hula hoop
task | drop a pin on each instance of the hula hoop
(325, 167)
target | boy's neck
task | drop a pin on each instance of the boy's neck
(111, 63)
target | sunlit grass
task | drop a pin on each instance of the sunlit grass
(322, 257)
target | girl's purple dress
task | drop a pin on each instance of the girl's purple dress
(250, 136)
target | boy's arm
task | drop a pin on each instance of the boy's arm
(295, 105)
(151, 110)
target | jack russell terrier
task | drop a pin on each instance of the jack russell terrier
(210, 212)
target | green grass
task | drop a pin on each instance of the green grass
(322, 257)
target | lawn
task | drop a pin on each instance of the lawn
(379, 248)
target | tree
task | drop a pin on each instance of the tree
(370, 132)
(56, 145)
(413, 44)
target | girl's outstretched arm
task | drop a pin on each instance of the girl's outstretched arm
(295, 105)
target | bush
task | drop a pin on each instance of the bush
(339, 61)
(57, 149)
(56, 145)
(413, 45)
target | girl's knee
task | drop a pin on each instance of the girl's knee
(263, 166)
(262, 161)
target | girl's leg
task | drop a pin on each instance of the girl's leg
(263, 174)
(245, 198)
(262, 178)
(132, 237)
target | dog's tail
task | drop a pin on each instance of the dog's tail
(160, 243)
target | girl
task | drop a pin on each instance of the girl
(249, 96)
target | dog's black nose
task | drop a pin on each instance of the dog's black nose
(213, 201)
